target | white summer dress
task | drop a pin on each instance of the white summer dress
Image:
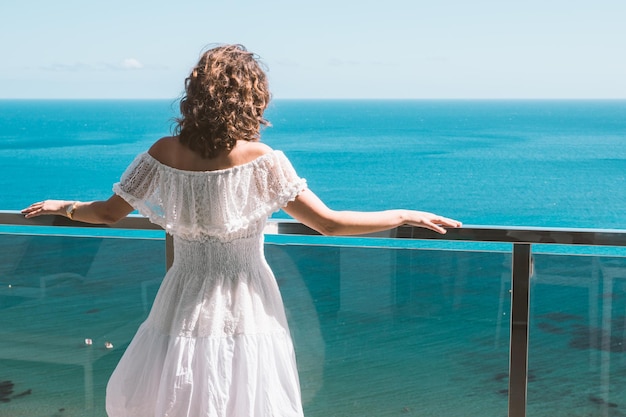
(216, 342)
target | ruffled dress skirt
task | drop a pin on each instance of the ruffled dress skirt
(216, 342)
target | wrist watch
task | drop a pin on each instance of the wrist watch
(69, 211)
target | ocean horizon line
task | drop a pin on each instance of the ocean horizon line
(339, 99)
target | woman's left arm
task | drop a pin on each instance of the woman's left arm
(98, 212)
(308, 209)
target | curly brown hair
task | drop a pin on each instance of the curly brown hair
(224, 100)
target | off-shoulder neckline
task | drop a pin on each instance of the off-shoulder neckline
(232, 169)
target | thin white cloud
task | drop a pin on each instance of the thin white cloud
(127, 64)
(78, 66)
(131, 64)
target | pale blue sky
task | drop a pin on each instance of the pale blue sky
(319, 49)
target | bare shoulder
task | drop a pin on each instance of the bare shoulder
(246, 151)
(255, 149)
(164, 147)
(171, 152)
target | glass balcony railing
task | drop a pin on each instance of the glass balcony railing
(482, 321)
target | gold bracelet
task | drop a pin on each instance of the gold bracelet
(69, 211)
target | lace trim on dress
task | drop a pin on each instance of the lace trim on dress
(198, 204)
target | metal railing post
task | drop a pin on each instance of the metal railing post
(169, 251)
(520, 303)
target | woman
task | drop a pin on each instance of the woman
(216, 342)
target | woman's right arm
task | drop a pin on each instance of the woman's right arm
(99, 212)
(308, 209)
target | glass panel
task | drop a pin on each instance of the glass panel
(387, 332)
(378, 331)
(68, 308)
(577, 352)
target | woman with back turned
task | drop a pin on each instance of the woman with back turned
(216, 341)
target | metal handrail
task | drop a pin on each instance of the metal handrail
(468, 233)
(522, 239)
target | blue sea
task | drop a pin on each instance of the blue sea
(517, 163)
(379, 331)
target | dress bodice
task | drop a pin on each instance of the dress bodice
(204, 257)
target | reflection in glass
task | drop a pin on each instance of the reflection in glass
(577, 347)
(68, 308)
(385, 332)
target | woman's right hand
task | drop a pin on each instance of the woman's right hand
(40, 208)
